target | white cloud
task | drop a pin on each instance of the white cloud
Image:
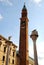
(37, 1)
(7, 2)
(1, 17)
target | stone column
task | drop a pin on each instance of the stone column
(8, 50)
(7, 56)
(34, 36)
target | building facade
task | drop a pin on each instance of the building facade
(7, 52)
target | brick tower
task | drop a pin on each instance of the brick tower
(23, 45)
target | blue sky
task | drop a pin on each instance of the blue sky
(10, 14)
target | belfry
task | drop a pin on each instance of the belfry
(23, 42)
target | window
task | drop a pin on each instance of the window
(13, 54)
(0, 43)
(0, 39)
(9, 60)
(12, 61)
(4, 49)
(3, 59)
(9, 50)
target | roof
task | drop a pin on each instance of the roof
(17, 52)
(31, 58)
(24, 7)
(1, 37)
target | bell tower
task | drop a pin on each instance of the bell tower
(23, 43)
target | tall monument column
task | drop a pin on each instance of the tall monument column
(23, 42)
(34, 36)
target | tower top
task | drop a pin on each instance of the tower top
(34, 35)
(24, 7)
(24, 11)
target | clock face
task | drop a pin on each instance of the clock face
(23, 22)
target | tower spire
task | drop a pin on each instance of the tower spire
(24, 11)
(24, 7)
